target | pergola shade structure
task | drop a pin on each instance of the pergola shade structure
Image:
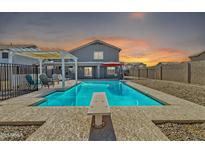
(39, 54)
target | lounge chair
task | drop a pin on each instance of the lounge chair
(31, 83)
(45, 81)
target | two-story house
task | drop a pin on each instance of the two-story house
(97, 59)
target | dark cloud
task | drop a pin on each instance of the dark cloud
(137, 33)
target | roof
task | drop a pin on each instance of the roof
(165, 63)
(93, 42)
(134, 63)
(196, 55)
(7, 46)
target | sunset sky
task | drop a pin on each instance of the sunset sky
(143, 37)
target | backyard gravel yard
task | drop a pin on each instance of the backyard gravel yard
(16, 133)
(190, 92)
(183, 132)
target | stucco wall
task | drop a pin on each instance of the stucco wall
(175, 72)
(20, 60)
(24, 60)
(198, 72)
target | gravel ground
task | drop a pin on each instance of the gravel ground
(190, 92)
(183, 132)
(16, 133)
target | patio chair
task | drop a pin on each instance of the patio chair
(56, 78)
(45, 81)
(31, 83)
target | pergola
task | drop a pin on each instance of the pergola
(41, 55)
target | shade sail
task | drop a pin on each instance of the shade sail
(42, 54)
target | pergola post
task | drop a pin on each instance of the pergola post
(63, 69)
(76, 70)
(41, 65)
(10, 62)
(10, 57)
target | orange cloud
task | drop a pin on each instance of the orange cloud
(154, 56)
(126, 44)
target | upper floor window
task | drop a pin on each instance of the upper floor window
(98, 55)
(5, 55)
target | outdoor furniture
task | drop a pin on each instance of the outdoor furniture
(56, 78)
(31, 83)
(45, 81)
(98, 108)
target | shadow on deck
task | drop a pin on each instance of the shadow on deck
(103, 134)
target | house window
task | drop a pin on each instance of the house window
(5, 55)
(110, 70)
(88, 71)
(98, 55)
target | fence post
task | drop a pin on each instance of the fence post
(37, 76)
(189, 72)
(161, 72)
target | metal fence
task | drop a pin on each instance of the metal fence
(13, 80)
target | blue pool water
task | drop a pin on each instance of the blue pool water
(118, 94)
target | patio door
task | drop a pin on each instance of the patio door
(88, 72)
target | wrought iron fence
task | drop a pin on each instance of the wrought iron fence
(17, 79)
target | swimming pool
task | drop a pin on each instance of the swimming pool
(118, 94)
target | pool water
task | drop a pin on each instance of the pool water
(118, 94)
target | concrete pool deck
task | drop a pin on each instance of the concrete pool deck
(72, 123)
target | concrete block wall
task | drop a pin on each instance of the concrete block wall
(143, 72)
(136, 72)
(158, 72)
(186, 72)
(175, 72)
(131, 72)
(198, 72)
(151, 73)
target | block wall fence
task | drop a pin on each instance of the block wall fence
(186, 72)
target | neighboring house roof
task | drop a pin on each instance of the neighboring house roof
(93, 42)
(164, 63)
(196, 55)
(135, 63)
(8, 46)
